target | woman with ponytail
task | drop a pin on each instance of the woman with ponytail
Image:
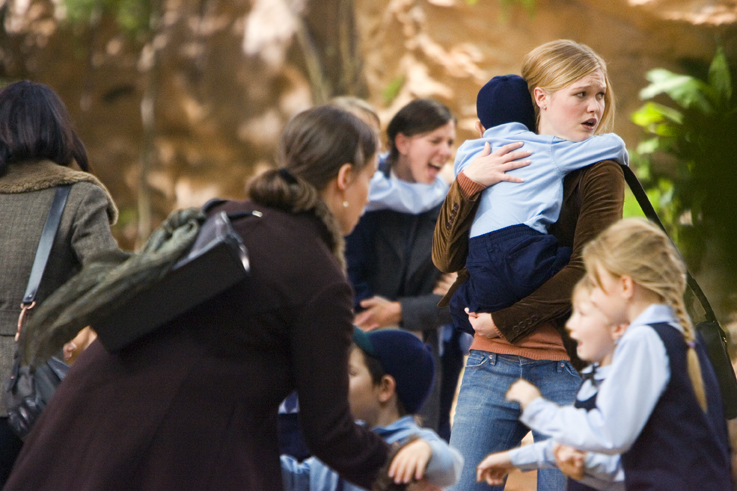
(660, 406)
(39, 151)
(194, 404)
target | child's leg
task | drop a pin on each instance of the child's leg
(485, 421)
(507, 265)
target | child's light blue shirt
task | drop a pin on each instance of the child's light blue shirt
(600, 471)
(536, 202)
(638, 375)
(443, 469)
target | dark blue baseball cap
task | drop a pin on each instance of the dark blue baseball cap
(406, 358)
(505, 99)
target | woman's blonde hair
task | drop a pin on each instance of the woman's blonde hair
(557, 64)
(639, 249)
(360, 108)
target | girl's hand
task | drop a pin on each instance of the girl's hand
(379, 313)
(494, 468)
(483, 324)
(410, 462)
(569, 461)
(489, 168)
(444, 283)
(522, 392)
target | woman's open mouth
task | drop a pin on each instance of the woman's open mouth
(590, 123)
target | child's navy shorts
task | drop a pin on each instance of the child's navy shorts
(505, 266)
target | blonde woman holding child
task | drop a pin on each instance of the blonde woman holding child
(660, 406)
(573, 99)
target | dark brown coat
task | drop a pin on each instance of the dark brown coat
(194, 405)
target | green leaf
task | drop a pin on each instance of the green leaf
(719, 77)
(391, 91)
(650, 145)
(688, 92)
(652, 113)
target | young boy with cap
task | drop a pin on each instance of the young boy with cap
(510, 253)
(390, 376)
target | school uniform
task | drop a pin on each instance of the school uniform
(646, 410)
(602, 472)
(442, 470)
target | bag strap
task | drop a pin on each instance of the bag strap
(43, 251)
(650, 213)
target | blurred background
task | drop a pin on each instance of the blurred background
(179, 101)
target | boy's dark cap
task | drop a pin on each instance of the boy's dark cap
(505, 99)
(404, 357)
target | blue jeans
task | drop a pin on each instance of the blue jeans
(485, 422)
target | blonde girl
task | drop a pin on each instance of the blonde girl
(660, 406)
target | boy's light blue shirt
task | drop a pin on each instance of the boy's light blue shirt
(536, 202)
(311, 474)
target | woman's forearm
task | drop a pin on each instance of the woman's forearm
(450, 239)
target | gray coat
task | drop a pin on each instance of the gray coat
(26, 191)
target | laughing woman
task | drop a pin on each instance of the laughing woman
(389, 252)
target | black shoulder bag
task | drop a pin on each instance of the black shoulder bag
(714, 337)
(27, 391)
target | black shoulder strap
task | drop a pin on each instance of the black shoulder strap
(47, 240)
(650, 213)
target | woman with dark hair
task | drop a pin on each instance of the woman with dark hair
(389, 252)
(193, 405)
(38, 146)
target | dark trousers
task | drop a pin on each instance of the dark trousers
(10, 446)
(505, 266)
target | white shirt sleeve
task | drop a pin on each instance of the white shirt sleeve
(538, 455)
(638, 376)
(601, 471)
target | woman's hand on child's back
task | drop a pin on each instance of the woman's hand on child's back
(523, 392)
(410, 462)
(489, 168)
(494, 468)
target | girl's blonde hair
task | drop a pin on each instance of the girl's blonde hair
(582, 286)
(557, 64)
(360, 108)
(639, 249)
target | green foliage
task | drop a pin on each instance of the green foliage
(529, 5)
(391, 91)
(133, 16)
(688, 162)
